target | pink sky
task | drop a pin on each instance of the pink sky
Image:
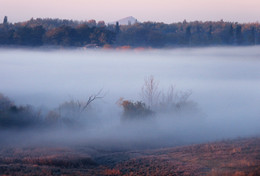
(144, 10)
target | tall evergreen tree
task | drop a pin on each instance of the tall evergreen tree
(252, 36)
(117, 27)
(210, 33)
(230, 39)
(188, 35)
(5, 20)
(239, 35)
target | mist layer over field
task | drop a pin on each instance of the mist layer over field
(224, 82)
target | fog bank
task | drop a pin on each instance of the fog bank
(224, 82)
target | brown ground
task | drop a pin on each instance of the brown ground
(234, 157)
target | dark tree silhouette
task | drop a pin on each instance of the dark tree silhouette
(36, 32)
(230, 36)
(5, 20)
(238, 35)
(252, 36)
(210, 34)
(117, 28)
(188, 35)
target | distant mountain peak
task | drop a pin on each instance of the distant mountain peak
(126, 21)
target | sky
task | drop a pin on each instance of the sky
(167, 11)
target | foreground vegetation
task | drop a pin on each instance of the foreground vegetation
(233, 157)
(75, 112)
(68, 114)
(73, 152)
(155, 101)
(57, 32)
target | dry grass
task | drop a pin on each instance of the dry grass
(234, 157)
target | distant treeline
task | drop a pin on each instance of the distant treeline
(38, 32)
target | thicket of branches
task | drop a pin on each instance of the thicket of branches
(74, 112)
(68, 113)
(15, 116)
(156, 101)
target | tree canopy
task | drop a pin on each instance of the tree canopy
(37, 32)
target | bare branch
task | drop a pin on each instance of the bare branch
(91, 99)
(150, 93)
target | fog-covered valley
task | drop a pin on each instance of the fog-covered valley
(221, 85)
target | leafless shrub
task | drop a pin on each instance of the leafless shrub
(150, 92)
(74, 109)
(12, 115)
(160, 101)
(5, 103)
(15, 116)
(52, 117)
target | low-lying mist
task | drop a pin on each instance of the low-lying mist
(101, 99)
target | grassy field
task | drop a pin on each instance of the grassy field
(231, 157)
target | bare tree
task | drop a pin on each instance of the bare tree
(182, 98)
(169, 97)
(150, 93)
(159, 100)
(82, 105)
(75, 108)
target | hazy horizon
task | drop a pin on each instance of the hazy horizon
(167, 11)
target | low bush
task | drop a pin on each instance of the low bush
(68, 113)
(15, 116)
(136, 109)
